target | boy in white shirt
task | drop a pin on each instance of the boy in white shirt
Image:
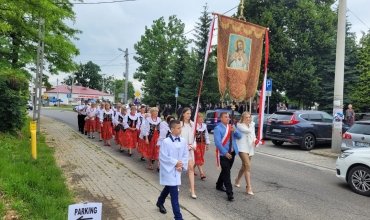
(173, 157)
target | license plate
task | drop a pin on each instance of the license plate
(362, 144)
(208, 122)
(276, 130)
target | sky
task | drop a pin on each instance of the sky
(107, 27)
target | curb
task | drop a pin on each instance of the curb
(325, 153)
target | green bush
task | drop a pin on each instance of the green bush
(13, 99)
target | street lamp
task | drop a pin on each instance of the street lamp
(126, 74)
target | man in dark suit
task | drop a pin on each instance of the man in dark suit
(179, 111)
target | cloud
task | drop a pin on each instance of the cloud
(107, 27)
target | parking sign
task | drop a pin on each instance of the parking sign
(269, 85)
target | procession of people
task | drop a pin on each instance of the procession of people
(141, 128)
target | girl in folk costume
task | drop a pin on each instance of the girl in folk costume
(99, 111)
(116, 110)
(129, 123)
(90, 124)
(151, 134)
(139, 127)
(188, 134)
(106, 120)
(120, 131)
(202, 139)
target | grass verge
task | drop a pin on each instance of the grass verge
(35, 189)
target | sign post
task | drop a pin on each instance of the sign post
(268, 93)
(85, 211)
(176, 95)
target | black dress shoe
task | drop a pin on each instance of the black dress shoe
(85, 133)
(230, 197)
(221, 188)
(142, 159)
(162, 209)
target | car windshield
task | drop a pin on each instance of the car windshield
(360, 128)
(281, 116)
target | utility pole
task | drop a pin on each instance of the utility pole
(58, 92)
(339, 78)
(102, 92)
(126, 77)
(39, 70)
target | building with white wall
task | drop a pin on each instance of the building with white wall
(76, 94)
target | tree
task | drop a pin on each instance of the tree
(327, 73)
(19, 22)
(159, 53)
(87, 75)
(120, 88)
(210, 92)
(361, 89)
(14, 87)
(299, 30)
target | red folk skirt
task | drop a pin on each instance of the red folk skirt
(90, 125)
(131, 139)
(121, 138)
(97, 125)
(151, 150)
(106, 131)
(199, 153)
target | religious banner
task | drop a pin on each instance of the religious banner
(239, 53)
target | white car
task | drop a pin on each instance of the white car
(353, 167)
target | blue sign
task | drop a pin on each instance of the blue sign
(177, 90)
(269, 85)
(69, 95)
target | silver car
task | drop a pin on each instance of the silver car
(357, 136)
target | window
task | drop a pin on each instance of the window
(327, 118)
(282, 116)
(305, 117)
(315, 117)
(360, 128)
(210, 114)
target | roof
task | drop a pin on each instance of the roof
(76, 90)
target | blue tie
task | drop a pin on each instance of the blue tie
(178, 138)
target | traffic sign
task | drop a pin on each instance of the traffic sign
(269, 85)
(121, 95)
(137, 94)
(84, 211)
(69, 95)
(45, 96)
(268, 93)
(177, 91)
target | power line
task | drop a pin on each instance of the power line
(358, 18)
(112, 60)
(223, 14)
(95, 3)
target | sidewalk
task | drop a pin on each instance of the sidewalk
(95, 176)
(325, 153)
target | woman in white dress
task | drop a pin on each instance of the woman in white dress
(187, 133)
(246, 149)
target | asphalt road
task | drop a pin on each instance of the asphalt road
(283, 188)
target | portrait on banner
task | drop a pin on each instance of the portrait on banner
(239, 50)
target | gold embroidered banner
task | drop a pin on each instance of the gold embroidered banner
(239, 53)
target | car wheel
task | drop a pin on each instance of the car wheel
(277, 143)
(359, 180)
(308, 142)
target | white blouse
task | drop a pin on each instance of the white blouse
(246, 142)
